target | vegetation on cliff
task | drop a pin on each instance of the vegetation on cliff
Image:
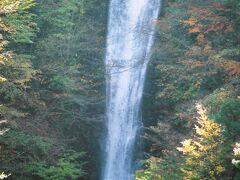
(52, 94)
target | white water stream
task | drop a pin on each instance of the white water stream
(130, 37)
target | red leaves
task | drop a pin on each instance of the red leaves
(216, 26)
(218, 6)
(229, 28)
(204, 20)
(234, 70)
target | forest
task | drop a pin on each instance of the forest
(53, 91)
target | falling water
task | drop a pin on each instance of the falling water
(130, 36)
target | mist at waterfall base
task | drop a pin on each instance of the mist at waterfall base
(130, 37)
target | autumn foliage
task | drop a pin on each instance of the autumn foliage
(202, 152)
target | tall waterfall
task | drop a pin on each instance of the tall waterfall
(130, 37)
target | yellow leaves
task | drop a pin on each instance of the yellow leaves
(200, 38)
(2, 59)
(207, 49)
(11, 6)
(201, 151)
(3, 56)
(207, 128)
(186, 146)
(189, 174)
(8, 6)
(198, 84)
(236, 153)
(190, 22)
(4, 176)
(220, 169)
(195, 29)
(2, 79)
(5, 7)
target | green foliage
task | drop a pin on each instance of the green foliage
(19, 28)
(224, 105)
(10, 112)
(62, 84)
(165, 168)
(175, 88)
(191, 64)
(50, 85)
(216, 99)
(19, 148)
(202, 156)
(24, 28)
(229, 116)
(67, 167)
(24, 143)
(9, 93)
(152, 172)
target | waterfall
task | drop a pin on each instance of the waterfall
(130, 37)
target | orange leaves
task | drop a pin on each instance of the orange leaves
(229, 28)
(190, 22)
(205, 20)
(217, 26)
(231, 67)
(218, 6)
(200, 13)
(193, 63)
(234, 70)
(194, 27)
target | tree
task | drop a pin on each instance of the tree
(202, 153)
